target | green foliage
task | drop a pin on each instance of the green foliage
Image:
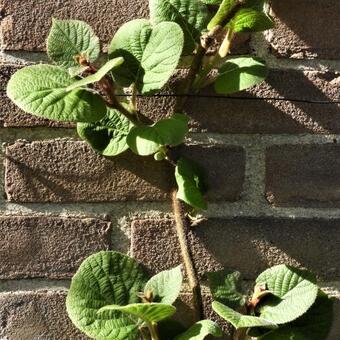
(147, 140)
(42, 90)
(191, 15)
(189, 178)
(165, 286)
(107, 136)
(225, 288)
(200, 331)
(240, 73)
(212, 2)
(224, 10)
(69, 39)
(103, 279)
(151, 53)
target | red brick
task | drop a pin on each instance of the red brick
(50, 247)
(303, 175)
(36, 315)
(247, 245)
(306, 29)
(69, 171)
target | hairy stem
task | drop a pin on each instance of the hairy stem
(153, 330)
(182, 229)
(240, 334)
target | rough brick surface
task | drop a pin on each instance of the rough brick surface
(293, 107)
(68, 171)
(26, 24)
(306, 29)
(36, 315)
(247, 245)
(48, 246)
(303, 175)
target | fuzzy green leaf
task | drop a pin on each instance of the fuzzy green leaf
(99, 75)
(75, 71)
(108, 136)
(147, 140)
(149, 312)
(189, 179)
(314, 325)
(200, 331)
(250, 20)
(239, 320)
(103, 279)
(151, 53)
(240, 73)
(191, 15)
(225, 288)
(165, 286)
(71, 38)
(294, 293)
(225, 8)
(41, 90)
(212, 2)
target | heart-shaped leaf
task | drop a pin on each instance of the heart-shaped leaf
(294, 293)
(165, 286)
(191, 15)
(240, 73)
(148, 312)
(224, 10)
(189, 178)
(69, 39)
(105, 278)
(99, 75)
(147, 140)
(108, 136)
(239, 320)
(151, 53)
(41, 90)
(200, 331)
(225, 288)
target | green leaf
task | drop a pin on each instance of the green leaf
(314, 325)
(225, 288)
(212, 2)
(151, 53)
(41, 90)
(69, 39)
(108, 136)
(200, 331)
(189, 179)
(239, 320)
(147, 140)
(99, 75)
(294, 293)
(103, 279)
(191, 15)
(165, 286)
(75, 71)
(224, 10)
(249, 20)
(148, 312)
(240, 73)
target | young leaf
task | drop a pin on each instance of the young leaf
(165, 286)
(314, 325)
(191, 15)
(99, 75)
(151, 53)
(239, 320)
(294, 293)
(200, 331)
(69, 39)
(41, 90)
(108, 136)
(190, 185)
(103, 279)
(249, 20)
(75, 71)
(240, 73)
(148, 312)
(147, 140)
(225, 288)
(225, 8)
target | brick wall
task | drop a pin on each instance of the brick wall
(272, 154)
